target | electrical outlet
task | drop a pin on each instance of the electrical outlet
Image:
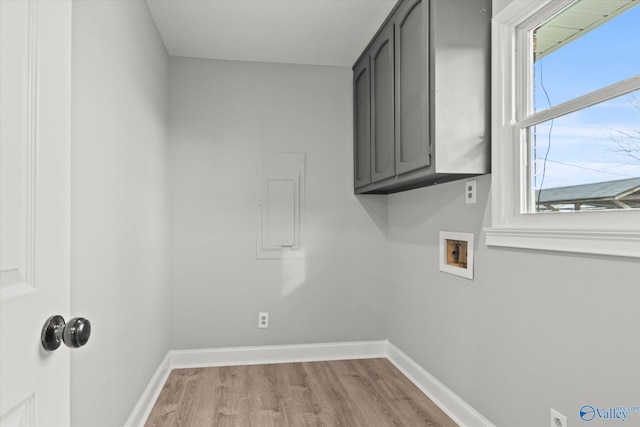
(263, 320)
(557, 419)
(470, 191)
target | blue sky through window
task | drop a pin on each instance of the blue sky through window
(587, 145)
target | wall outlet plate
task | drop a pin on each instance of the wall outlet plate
(470, 191)
(263, 320)
(557, 419)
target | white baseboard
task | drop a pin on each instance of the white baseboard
(145, 404)
(277, 354)
(450, 403)
(457, 409)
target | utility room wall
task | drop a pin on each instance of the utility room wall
(533, 330)
(223, 114)
(119, 225)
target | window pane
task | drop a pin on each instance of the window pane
(583, 49)
(589, 159)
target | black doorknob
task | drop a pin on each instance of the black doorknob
(74, 334)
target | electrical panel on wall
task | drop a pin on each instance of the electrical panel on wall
(281, 184)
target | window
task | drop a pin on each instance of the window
(566, 126)
(589, 158)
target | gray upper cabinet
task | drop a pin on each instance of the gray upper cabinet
(382, 93)
(362, 123)
(412, 84)
(428, 100)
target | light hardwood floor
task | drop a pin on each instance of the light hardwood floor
(351, 393)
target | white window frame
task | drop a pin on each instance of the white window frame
(614, 232)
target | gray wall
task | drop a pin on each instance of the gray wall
(532, 331)
(119, 212)
(223, 114)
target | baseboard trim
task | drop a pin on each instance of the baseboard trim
(457, 409)
(145, 404)
(277, 354)
(449, 402)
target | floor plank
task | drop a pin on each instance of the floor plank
(350, 393)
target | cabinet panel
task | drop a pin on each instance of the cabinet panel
(412, 102)
(382, 99)
(362, 123)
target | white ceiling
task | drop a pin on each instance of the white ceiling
(320, 32)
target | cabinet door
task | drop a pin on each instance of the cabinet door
(412, 86)
(362, 123)
(382, 101)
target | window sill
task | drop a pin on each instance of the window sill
(601, 242)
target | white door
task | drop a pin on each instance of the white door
(35, 75)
